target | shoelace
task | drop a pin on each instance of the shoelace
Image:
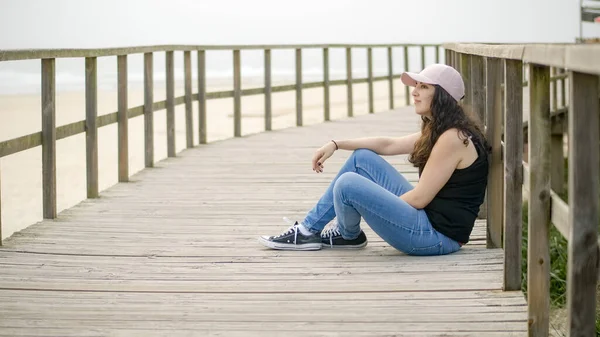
(330, 233)
(293, 227)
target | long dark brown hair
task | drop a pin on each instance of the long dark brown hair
(446, 113)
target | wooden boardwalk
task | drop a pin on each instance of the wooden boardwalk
(175, 253)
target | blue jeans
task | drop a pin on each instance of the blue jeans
(368, 187)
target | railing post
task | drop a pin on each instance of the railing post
(326, 111)
(170, 70)
(583, 203)
(448, 57)
(493, 103)
(0, 204)
(406, 88)
(268, 112)
(476, 81)
(538, 256)
(123, 119)
(349, 81)
(298, 87)
(91, 130)
(422, 57)
(465, 69)
(49, 137)
(557, 167)
(437, 54)
(237, 94)
(390, 76)
(187, 80)
(201, 96)
(370, 80)
(513, 173)
(148, 110)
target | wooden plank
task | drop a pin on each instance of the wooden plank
(148, 110)
(299, 87)
(448, 57)
(584, 213)
(370, 81)
(422, 57)
(538, 256)
(390, 76)
(559, 215)
(494, 116)
(557, 167)
(513, 173)
(465, 70)
(49, 138)
(406, 68)
(123, 128)
(187, 83)
(91, 129)
(268, 106)
(349, 99)
(0, 204)
(170, 74)
(437, 54)
(202, 96)
(326, 103)
(478, 105)
(237, 94)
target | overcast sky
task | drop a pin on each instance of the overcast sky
(107, 23)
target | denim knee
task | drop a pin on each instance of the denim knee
(361, 155)
(346, 182)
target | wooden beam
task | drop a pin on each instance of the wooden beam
(268, 106)
(493, 108)
(237, 94)
(370, 77)
(538, 256)
(390, 76)
(406, 68)
(584, 215)
(350, 100)
(298, 87)
(187, 80)
(557, 167)
(49, 138)
(123, 121)
(513, 173)
(170, 70)
(91, 130)
(437, 54)
(148, 110)
(202, 96)
(465, 70)
(326, 103)
(422, 57)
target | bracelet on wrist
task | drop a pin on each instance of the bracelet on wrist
(336, 146)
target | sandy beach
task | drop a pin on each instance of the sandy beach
(21, 173)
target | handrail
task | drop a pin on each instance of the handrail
(577, 221)
(28, 54)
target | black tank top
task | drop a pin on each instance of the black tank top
(454, 209)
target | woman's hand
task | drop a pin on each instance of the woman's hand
(321, 155)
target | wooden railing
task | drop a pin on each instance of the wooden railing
(494, 75)
(50, 133)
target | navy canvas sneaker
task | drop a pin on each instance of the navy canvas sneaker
(292, 239)
(332, 238)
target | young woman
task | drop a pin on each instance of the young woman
(432, 218)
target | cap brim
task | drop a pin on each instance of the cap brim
(411, 79)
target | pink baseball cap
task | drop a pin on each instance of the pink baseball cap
(440, 74)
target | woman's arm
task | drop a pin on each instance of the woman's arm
(380, 145)
(385, 146)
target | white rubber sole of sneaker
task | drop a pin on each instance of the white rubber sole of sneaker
(288, 246)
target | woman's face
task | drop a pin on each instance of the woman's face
(423, 95)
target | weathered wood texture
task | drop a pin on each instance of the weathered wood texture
(148, 110)
(538, 255)
(583, 204)
(349, 96)
(237, 94)
(175, 252)
(513, 173)
(187, 83)
(370, 79)
(91, 128)
(268, 105)
(170, 94)
(202, 96)
(48, 138)
(326, 102)
(123, 121)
